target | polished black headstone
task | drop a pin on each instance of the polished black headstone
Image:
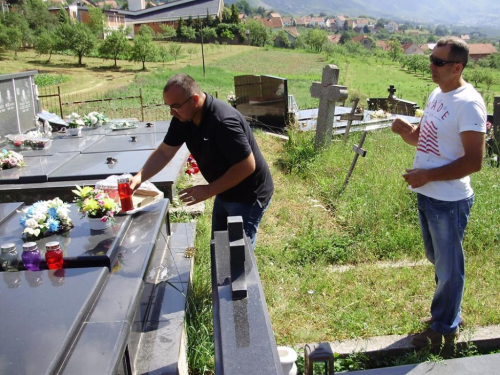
(64, 144)
(41, 315)
(18, 102)
(8, 209)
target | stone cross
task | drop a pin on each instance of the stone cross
(328, 93)
(358, 151)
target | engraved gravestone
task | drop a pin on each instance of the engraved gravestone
(19, 102)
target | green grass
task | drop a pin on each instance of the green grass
(311, 230)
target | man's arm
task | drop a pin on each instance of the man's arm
(233, 176)
(155, 163)
(470, 162)
(407, 131)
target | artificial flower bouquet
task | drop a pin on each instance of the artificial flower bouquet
(95, 203)
(74, 121)
(10, 159)
(44, 218)
(191, 166)
(94, 118)
(231, 98)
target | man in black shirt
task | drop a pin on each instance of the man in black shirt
(223, 145)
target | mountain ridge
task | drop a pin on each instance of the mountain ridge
(458, 12)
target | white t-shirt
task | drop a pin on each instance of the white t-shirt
(445, 117)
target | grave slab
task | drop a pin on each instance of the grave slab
(8, 209)
(36, 170)
(160, 127)
(42, 313)
(82, 247)
(125, 142)
(64, 144)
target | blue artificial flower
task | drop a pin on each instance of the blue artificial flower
(53, 225)
(52, 212)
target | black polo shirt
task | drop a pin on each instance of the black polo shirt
(223, 139)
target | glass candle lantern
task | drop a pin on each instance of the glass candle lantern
(9, 257)
(53, 255)
(31, 256)
(125, 193)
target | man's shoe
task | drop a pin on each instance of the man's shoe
(427, 322)
(433, 338)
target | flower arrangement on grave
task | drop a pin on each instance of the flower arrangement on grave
(93, 118)
(191, 166)
(11, 159)
(231, 99)
(95, 203)
(74, 121)
(419, 112)
(489, 131)
(45, 218)
(380, 114)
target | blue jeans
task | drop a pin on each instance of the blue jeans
(251, 214)
(443, 225)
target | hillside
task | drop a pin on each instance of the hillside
(458, 12)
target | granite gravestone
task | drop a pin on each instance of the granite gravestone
(19, 102)
(328, 93)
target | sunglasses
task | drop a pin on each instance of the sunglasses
(439, 62)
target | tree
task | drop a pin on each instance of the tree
(316, 38)
(227, 35)
(13, 39)
(209, 34)
(345, 37)
(45, 43)
(62, 16)
(143, 48)
(259, 34)
(187, 33)
(163, 54)
(181, 24)
(116, 43)
(96, 21)
(168, 32)
(283, 36)
(81, 40)
(243, 6)
(234, 14)
(395, 49)
(175, 50)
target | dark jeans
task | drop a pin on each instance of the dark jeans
(251, 214)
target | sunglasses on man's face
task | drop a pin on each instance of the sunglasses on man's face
(439, 62)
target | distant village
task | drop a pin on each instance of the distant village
(285, 30)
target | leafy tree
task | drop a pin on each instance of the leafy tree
(163, 54)
(243, 6)
(143, 48)
(209, 22)
(316, 38)
(13, 39)
(63, 16)
(442, 30)
(168, 31)
(474, 74)
(96, 21)
(234, 14)
(189, 21)
(81, 40)
(227, 35)
(191, 51)
(146, 30)
(175, 50)
(488, 78)
(20, 23)
(115, 44)
(37, 15)
(226, 15)
(283, 35)
(45, 43)
(345, 37)
(209, 33)
(395, 49)
(187, 32)
(180, 25)
(259, 34)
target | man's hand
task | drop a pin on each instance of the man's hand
(135, 182)
(407, 131)
(416, 177)
(195, 194)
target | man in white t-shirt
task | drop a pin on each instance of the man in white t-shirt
(450, 147)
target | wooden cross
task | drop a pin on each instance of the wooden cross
(358, 151)
(328, 93)
(350, 117)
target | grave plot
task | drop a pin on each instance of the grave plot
(129, 142)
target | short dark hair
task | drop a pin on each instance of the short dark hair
(185, 82)
(459, 50)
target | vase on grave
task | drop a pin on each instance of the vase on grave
(96, 223)
(75, 131)
(288, 356)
